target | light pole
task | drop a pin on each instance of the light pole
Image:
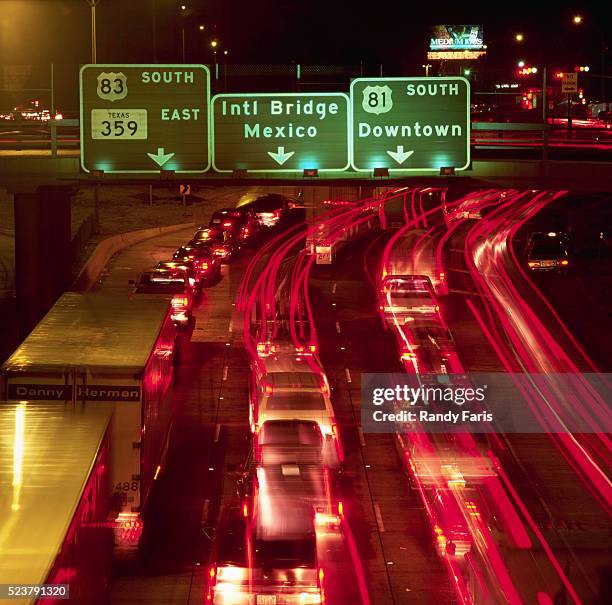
(426, 67)
(94, 51)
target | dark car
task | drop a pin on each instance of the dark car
(272, 208)
(240, 224)
(186, 268)
(220, 242)
(207, 264)
(548, 251)
(174, 285)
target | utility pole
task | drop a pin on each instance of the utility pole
(94, 50)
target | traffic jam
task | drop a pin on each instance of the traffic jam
(289, 509)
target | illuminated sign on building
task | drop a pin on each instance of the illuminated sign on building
(456, 37)
(455, 55)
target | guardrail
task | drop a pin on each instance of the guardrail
(64, 135)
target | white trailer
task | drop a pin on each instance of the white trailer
(94, 349)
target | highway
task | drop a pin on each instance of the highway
(441, 518)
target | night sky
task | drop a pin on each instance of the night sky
(281, 31)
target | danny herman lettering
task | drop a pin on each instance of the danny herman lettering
(48, 392)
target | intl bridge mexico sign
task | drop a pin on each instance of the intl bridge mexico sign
(410, 124)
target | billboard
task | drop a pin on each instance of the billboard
(456, 37)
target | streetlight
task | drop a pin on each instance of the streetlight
(214, 43)
(426, 67)
(201, 28)
(519, 37)
(521, 63)
(94, 50)
(577, 19)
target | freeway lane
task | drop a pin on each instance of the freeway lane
(398, 554)
(210, 440)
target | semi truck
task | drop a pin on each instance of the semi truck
(100, 350)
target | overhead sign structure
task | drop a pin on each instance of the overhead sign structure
(456, 37)
(410, 124)
(280, 132)
(145, 118)
(569, 83)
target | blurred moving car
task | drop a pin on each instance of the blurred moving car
(289, 442)
(220, 242)
(169, 283)
(548, 251)
(292, 388)
(239, 223)
(408, 297)
(208, 265)
(271, 209)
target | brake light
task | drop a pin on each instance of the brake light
(334, 429)
(204, 265)
(442, 276)
(227, 224)
(407, 356)
(212, 573)
(437, 308)
(128, 528)
(179, 302)
(268, 389)
(245, 510)
(190, 256)
(565, 262)
(321, 575)
(191, 281)
(532, 263)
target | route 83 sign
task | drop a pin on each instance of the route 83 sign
(112, 86)
(377, 99)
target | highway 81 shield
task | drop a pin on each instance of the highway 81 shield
(377, 99)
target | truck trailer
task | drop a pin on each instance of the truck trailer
(100, 350)
(54, 503)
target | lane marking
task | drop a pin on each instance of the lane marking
(225, 370)
(338, 327)
(362, 441)
(347, 373)
(379, 520)
(217, 432)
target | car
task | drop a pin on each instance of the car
(240, 224)
(176, 267)
(220, 242)
(548, 251)
(208, 265)
(289, 442)
(173, 284)
(229, 570)
(295, 391)
(428, 348)
(408, 297)
(271, 209)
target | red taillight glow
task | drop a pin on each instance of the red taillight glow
(179, 302)
(565, 262)
(531, 263)
(128, 528)
(437, 308)
(227, 224)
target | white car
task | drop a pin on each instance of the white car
(291, 390)
(408, 296)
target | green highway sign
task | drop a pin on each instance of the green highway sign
(145, 118)
(410, 124)
(280, 132)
